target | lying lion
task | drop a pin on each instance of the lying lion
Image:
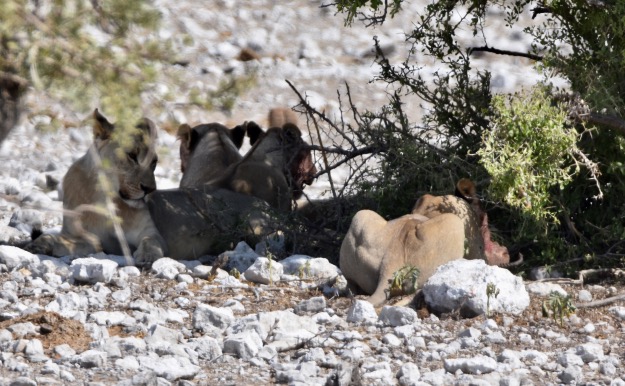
(207, 150)
(204, 221)
(440, 229)
(119, 165)
(275, 169)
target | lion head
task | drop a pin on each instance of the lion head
(111, 181)
(207, 150)
(128, 157)
(276, 167)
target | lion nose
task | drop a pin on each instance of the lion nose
(148, 189)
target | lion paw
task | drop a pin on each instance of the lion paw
(148, 252)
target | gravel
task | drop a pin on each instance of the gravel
(98, 320)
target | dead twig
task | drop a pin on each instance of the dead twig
(602, 302)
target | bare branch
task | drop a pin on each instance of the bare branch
(505, 52)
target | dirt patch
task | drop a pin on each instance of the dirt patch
(54, 330)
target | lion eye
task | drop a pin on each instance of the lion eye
(134, 157)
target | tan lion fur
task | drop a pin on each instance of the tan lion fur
(280, 116)
(468, 208)
(374, 249)
(439, 229)
(127, 160)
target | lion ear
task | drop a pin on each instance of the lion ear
(465, 189)
(184, 134)
(253, 131)
(238, 135)
(102, 128)
(148, 126)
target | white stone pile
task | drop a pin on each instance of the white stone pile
(180, 328)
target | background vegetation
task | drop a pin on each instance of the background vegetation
(549, 161)
(86, 53)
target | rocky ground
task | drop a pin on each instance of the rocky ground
(98, 321)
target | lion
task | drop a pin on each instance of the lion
(438, 230)
(207, 150)
(466, 205)
(275, 169)
(203, 221)
(119, 165)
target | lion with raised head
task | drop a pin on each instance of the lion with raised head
(119, 164)
(439, 229)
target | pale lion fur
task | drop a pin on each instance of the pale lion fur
(126, 160)
(439, 229)
(374, 249)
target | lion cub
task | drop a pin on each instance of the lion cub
(115, 174)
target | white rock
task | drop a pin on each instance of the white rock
(397, 316)
(408, 374)
(312, 305)
(264, 271)
(160, 335)
(105, 318)
(479, 364)
(590, 352)
(64, 351)
(307, 267)
(122, 296)
(131, 271)
(570, 375)
(69, 305)
(34, 347)
(544, 289)
(241, 258)
(92, 270)
(361, 311)
(20, 330)
(391, 340)
(461, 284)
(15, 258)
(208, 318)
(569, 358)
(90, 359)
(619, 312)
(170, 367)
(132, 345)
(510, 357)
(244, 345)
(128, 363)
(584, 296)
(167, 268)
(376, 371)
(206, 347)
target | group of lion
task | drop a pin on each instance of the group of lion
(225, 196)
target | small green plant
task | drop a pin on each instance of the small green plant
(270, 258)
(491, 291)
(304, 270)
(235, 272)
(559, 306)
(404, 281)
(529, 151)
